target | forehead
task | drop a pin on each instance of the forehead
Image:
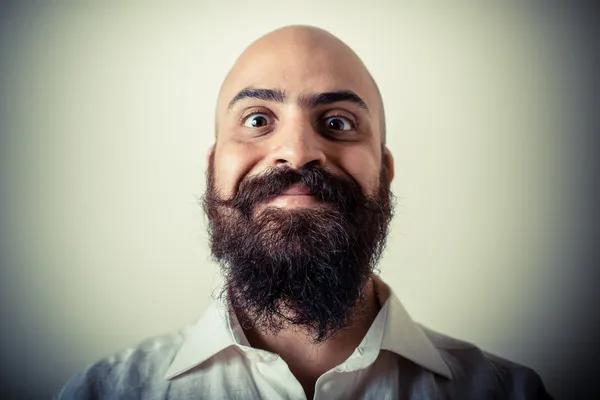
(299, 68)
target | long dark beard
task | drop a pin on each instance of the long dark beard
(305, 267)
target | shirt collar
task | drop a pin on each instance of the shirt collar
(393, 330)
(211, 335)
(404, 336)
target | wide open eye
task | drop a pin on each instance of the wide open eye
(339, 124)
(257, 120)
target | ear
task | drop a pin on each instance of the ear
(388, 162)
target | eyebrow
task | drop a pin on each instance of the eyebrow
(318, 99)
(275, 95)
(308, 101)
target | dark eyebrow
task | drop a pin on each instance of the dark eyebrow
(318, 99)
(260, 94)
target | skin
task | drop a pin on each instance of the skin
(254, 135)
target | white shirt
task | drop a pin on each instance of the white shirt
(396, 359)
(362, 375)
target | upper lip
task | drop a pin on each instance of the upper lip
(297, 189)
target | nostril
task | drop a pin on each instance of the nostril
(312, 164)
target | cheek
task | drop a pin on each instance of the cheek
(364, 166)
(231, 164)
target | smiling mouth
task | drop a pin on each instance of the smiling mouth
(297, 195)
(298, 189)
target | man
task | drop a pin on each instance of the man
(298, 202)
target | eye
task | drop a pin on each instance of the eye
(339, 123)
(256, 120)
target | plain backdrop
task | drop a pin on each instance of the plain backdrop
(107, 112)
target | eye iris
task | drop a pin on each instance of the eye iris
(257, 122)
(336, 123)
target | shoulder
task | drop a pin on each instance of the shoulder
(472, 367)
(136, 372)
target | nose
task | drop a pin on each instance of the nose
(297, 145)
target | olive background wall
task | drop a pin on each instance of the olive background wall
(106, 115)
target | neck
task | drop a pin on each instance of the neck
(308, 360)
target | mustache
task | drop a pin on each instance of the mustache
(322, 184)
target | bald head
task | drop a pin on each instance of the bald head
(297, 62)
(299, 96)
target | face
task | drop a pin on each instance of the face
(305, 104)
(298, 196)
